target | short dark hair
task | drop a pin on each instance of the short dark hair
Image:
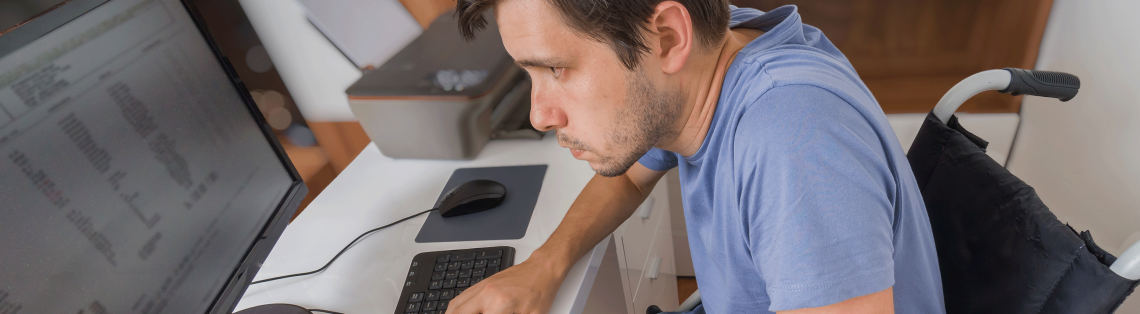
(620, 23)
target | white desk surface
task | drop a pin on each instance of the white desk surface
(375, 190)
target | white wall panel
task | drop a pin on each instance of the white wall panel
(1083, 156)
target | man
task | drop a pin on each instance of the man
(798, 197)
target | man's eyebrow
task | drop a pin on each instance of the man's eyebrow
(540, 63)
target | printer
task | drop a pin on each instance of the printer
(442, 97)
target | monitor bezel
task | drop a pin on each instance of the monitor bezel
(258, 251)
(243, 273)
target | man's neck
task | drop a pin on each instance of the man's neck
(701, 88)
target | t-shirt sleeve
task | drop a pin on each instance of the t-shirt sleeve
(657, 159)
(816, 191)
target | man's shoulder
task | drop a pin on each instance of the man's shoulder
(756, 71)
(796, 98)
(795, 89)
(793, 65)
(801, 117)
(786, 109)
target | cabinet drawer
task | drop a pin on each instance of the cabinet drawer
(637, 237)
(638, 233)
(661, 291)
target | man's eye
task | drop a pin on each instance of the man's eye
(557, 71)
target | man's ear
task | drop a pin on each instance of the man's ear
(672, 28)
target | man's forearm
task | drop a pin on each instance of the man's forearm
(601, 207)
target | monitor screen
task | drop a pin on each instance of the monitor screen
(134, 178)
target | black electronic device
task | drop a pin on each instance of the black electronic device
(508, 221)
(139, 175)
(437, 277)
(472, 197)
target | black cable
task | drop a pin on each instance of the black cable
(341, 251)
(326, 311)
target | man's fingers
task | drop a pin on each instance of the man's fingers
(462, 303)
(500, 307)
(481, 298)
(511, 291)
(464, 308)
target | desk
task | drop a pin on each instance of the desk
(375, 190)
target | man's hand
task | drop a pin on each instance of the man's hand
(528, 287)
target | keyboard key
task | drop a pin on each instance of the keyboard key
(493, 253)
(451, 273)
(464, 256)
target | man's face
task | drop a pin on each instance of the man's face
(604, 113)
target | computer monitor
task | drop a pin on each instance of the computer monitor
(136, 174)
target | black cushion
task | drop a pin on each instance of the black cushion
(1000, 249)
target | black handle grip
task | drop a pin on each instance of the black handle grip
(1058, 85)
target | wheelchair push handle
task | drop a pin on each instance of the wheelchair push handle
(1051, 84)
(1014, 81)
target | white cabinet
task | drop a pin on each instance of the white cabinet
(644, 249)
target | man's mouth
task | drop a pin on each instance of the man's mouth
(577, 148)
(577, 153)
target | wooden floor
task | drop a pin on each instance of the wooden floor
(685, 287)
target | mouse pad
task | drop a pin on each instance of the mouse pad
(508, 221)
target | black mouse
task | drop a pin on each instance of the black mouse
(472, 197)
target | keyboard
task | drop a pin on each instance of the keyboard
(437, 277)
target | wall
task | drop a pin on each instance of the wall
(909, 52)
(1083, 156)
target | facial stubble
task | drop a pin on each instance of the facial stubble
(649, 115)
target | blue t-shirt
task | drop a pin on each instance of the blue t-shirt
(800, 195)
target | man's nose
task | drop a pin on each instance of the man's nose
(545, 115)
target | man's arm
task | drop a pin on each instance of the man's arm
(882, 302)
(823, 223)
(530, 286)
